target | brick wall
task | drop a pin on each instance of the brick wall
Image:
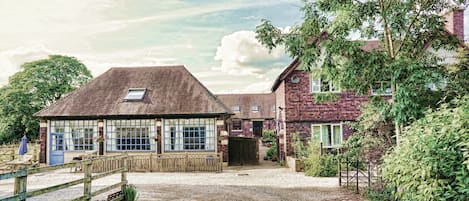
(247, 131)
(455, 23)
(43, 138)
(222, 140)
(301, 111)
(300, 106)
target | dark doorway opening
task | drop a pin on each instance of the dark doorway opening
(257, 128)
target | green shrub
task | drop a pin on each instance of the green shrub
(320, 166)
(272, 152)
(432, 159)
(130, 193)
(299, 148)
(385, 194)
(269, 137)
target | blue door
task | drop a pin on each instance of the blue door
(56, 148)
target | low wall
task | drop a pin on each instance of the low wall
(295, 165)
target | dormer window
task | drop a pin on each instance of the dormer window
(236, 108)
(255, 108)
(135, 94)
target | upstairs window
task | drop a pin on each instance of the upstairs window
(237, 124)
(135, 94)
(381, 89)
(236, 108)
(255, 108)
(319, 85)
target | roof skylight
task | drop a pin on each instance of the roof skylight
(135, 94)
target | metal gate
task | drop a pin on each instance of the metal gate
(243, 151)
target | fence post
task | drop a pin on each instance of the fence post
(357, 175)
(346, 161)
(186, 163)
(320, 148)
(150, 163)
(369, 175)
(339, 168)
(124, 171)
(20, 185)
(87, 180)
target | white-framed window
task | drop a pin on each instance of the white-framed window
(319, 85)
(76, 135)
(195, 134)
(255, 108)
(236, 108)
(130, 135)
(381, 89)
(329, 134)
(135, 94)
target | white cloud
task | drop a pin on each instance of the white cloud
(239, 50)
(12, 59)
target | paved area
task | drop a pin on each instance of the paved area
(267, 181)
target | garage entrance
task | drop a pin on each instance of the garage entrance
(243, 151)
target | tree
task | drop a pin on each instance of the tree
(38, 85)
(405, 30)
(432, 162)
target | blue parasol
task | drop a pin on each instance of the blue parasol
(23, 146)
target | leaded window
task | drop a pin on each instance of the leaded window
(195, 134)
(130, 135)
(74, 135)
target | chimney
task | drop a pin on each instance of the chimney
(455, 23)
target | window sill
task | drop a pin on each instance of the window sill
(324, 92)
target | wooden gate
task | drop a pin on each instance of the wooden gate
(243, 151)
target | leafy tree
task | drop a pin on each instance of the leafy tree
(405, 30)
(432, 162)
(38, 85)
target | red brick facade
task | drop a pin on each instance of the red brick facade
(299, 112)
(43, 138)
(247, 127)
(455, 23)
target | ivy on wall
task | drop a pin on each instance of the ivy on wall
(319, 98)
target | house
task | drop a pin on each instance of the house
(297, 112)
(253, 113)
(161, 110)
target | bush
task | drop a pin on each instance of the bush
(320, 166)
(130, 193)
(384, 194)
(272, 152)
(299, 148)
(269, 137)
(432, 160)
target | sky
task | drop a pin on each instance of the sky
(214, 39)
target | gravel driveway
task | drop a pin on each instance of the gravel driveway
(247, 183)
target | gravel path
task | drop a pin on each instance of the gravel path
(247, 183)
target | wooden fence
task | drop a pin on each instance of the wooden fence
(184, 162)
(20, 185)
